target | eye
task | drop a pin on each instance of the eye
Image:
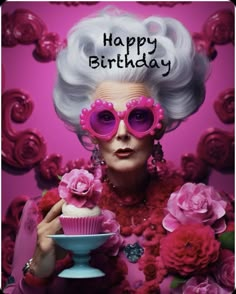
(105, 116)
(141, 119)
(102, 122)
(139, 115)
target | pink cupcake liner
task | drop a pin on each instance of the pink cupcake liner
(81, 225)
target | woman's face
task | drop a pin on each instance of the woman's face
(124, 152)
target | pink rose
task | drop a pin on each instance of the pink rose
(189, 249)
(80, 188)
(195, 203)
(204, 285)
(110, 225)
(224, 270)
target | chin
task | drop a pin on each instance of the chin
(126, 166)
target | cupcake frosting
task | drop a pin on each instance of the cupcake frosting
(72, 211)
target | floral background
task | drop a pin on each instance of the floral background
(33, 154)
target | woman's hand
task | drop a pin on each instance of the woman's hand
(46, 252)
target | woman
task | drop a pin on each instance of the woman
(117, 58)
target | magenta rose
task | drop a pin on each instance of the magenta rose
(202, 285)
(80, 188)
(224, 270)
(195, 203)
(189, 249)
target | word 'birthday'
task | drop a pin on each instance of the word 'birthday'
(124, 60)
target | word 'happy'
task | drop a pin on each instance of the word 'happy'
(123, 60)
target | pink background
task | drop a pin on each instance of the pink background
(22, 71)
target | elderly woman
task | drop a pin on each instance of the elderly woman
(122, 83)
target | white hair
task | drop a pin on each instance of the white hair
(180, 93)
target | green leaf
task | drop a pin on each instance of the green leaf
(177, 281)
(227, 240)
(59, 177)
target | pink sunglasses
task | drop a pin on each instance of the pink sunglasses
(142, 117)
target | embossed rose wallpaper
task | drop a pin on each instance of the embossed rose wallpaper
(37, 147)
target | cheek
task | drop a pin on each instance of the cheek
(146, 145)
(105, 148)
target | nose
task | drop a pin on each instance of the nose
(122, 132)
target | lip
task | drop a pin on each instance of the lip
(124, 152)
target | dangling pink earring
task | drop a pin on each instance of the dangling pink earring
(96, 157)
(157, 153)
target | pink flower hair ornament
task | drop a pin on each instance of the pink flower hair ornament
(142, 117)
(80, 188)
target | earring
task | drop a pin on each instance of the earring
(157, 153)
(96, 157)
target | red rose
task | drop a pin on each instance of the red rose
(48, 47)
(189, 249)
(47, 201)
(9, 229)
(7, 254)
(15, 209)
(204, 45)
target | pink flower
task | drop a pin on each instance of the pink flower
(110, 225)
(224, 270)
(195, 203)
(189, 249)
(204, 285)
(80, 188)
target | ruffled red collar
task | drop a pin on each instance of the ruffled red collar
(151, 200)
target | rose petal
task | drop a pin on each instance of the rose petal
(170, 223)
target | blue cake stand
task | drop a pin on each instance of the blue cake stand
(81, 246)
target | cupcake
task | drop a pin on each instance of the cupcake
(80, 213)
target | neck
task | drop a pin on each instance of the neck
(132, 182)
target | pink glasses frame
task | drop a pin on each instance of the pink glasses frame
(100, 105)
